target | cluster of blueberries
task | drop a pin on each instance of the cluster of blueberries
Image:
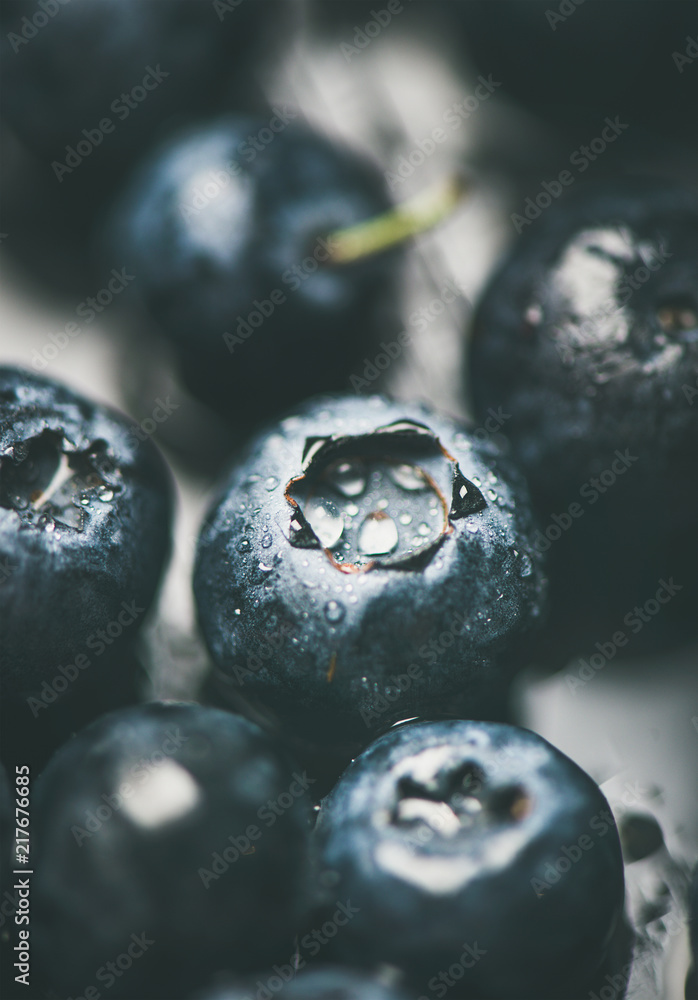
(372, 575)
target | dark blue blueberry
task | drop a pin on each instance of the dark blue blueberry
(475, 855)
(227, 229)
(69, 66)
(368, 561)
(85, 515)
(165, 829)
(322, 983)
(588, 336)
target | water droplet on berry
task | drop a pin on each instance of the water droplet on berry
(348, 478)
(525, 566)
(266, 540)
(334, 611)
(409, 477)
(325, 520)
(378, 534)
(271, 484)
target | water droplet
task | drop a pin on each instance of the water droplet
(378, 534)
(525, 566)
(47, 523)
(105, 494)
(266, 540)
(325, 520)
(348, 478)
(85, 499)
(423, 528)
(476, 480)
(382, 504)
(20, 503)
(263, 568)
(433, 511)
(334, 611)
(409, 477)
(244, 545)
(405, 518)
(271, 484)
(237, 611)
(492, 494)
(351, 509)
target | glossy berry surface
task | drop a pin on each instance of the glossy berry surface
(322, 983)
(367, 561)
(227, 227)
(476, 850)
(167, 823)
(588, 336)
(85, 514)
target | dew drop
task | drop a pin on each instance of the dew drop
(271, 483)
(409, 477)
(492, 494)
(348, 478)
(244, 545)
(266, 540)
(405, 518)
(325, 520)
(334, 611)
(85, 500)
(263, 568)
(378, 534)
(423, 528)
(351, 509)
(105, 494)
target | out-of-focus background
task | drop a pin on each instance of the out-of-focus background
(634, 726)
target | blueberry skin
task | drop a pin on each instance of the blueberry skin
(197, 777)
(589, 366)
(326, 652)
(322, 983)
(82, 64)
(215, 223)
(446, 834)
(71, 568)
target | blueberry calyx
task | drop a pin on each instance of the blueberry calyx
(47, 481)
(358, 496)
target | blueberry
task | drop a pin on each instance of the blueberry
(588, 336)
(85, 513)
(475, 851)
(154, 838)
(322, 983)
(102, 76)
(368, 561)
(227, 227)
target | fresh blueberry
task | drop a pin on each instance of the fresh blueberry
(477, 854)
(85, 513)
(227, 228)
(322, 983)
(102, 76)
(368, 561)
(162, 833)
(588, 336)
